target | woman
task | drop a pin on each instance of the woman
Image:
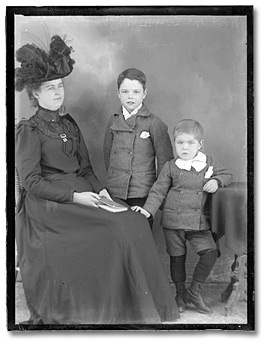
(79, 264)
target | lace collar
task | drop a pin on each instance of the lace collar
(51, 124)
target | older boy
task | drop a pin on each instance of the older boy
(136, 143)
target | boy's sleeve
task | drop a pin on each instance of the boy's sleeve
(221, 174)
(162, 143)
(159, 190)
(107, 144)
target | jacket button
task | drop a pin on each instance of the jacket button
(179, 210)
(199, 193)
(181, 192)
(181, 173)
(198, 211)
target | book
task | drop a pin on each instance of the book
(110, 205)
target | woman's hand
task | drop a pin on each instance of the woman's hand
(86, 198)
(210, 186)
(141, 210)
(105, 193)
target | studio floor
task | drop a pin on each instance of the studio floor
(212, 294)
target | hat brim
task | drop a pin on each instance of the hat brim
(52, 77)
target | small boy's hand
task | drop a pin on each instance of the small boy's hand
(141, 210)
(211, 186)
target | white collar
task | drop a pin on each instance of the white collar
(126, 114)
(198, 163)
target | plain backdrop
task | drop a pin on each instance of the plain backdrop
(195, 68)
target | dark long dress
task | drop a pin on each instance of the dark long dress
(79, 264)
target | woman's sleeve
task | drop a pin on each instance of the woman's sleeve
(86, 170)
(28, 156)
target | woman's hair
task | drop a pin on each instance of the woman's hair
(188, 126)
(30, 88)
(132, 74)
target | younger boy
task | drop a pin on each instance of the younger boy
(183, 186)
(136, 143)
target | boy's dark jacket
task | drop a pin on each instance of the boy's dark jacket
(185, 205)
(130, 158)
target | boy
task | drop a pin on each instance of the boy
(136, 144)
(183, 186)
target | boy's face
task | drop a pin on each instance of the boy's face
(187, 146)
(131, 94)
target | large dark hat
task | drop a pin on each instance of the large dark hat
(38, 66)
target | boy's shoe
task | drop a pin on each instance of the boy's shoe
(180, 296)
(193, 296)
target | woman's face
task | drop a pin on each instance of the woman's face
(51, 94)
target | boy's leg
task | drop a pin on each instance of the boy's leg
(178, 275)
(175, 241)
(204, 245)
(139, 202)
(205, 264)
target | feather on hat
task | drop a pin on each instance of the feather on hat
(38, 66)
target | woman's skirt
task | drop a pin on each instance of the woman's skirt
(85, 265)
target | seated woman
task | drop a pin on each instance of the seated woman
(79, 263)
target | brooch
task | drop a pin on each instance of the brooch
(63, 137)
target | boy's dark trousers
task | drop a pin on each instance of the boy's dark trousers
(139, 202)
(201, 272)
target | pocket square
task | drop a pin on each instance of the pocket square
(144, 134)
(209, 172)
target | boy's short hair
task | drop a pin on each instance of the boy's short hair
(132, 74)
(188, 126)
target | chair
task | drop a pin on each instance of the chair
(18, 190)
